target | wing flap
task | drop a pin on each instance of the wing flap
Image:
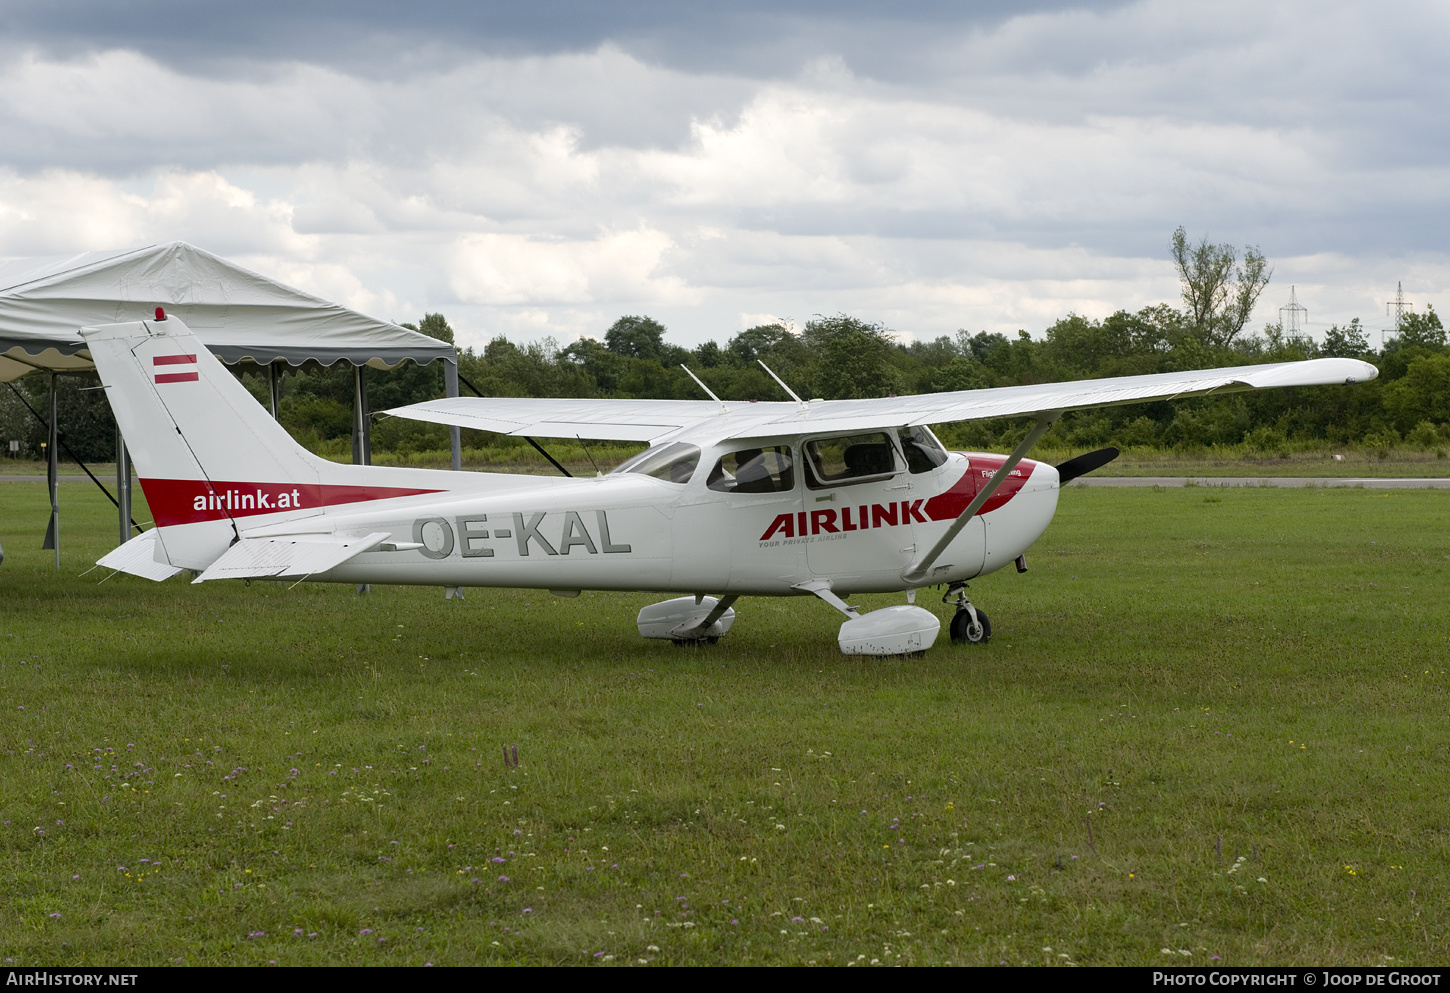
(604, 419)
(288, 555)
(608, 419)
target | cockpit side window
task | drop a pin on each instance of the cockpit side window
(923, 452)
(754, 470)
(673, 463)
(856, 458)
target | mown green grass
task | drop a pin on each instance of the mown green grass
(1186, 678)
(1239, 461)
(1309, 459)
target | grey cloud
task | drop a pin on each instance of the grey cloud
(769, 37)
(1341, 69)
(798, 156)
(118, 112)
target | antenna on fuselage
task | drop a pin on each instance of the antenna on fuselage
(704, 387)
(587, 455)
(804, 405)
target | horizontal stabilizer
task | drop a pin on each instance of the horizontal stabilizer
(289, 555)
(137, 557)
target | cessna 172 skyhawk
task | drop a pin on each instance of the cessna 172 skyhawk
(827, 498)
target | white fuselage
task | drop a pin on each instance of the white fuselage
(827, 498)
(727, 506)
(626, 531)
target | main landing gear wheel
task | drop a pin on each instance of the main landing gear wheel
(964, 630)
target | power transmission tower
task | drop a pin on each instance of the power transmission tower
(1293, 318)
(1398, 307)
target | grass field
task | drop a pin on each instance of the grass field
(1211, 727)
(1397, 464)
(1312, 459)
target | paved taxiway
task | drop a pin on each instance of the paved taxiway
(1280, 481)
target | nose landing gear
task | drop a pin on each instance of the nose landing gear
(969, 625)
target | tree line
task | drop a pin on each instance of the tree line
(845, 357)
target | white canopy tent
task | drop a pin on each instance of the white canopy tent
(243, 317)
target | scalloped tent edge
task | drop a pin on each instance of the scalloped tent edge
(242, 316)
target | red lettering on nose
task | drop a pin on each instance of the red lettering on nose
(912, 512)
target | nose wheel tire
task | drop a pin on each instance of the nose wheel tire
(966, 631)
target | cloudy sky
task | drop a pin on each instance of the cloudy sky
(542, 168)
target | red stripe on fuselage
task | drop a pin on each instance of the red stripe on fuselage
(188, 501)
(949, 505)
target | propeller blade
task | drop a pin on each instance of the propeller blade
(1073, 468)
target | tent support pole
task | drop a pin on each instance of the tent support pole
(450, 388)
(362, 453)
(274, 387)
(52, 475)
(66, 448)
(123, 486)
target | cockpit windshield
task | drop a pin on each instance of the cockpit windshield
(673, 463)
(923, 452)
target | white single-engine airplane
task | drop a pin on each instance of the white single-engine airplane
(823, 497)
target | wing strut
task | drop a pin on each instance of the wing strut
(540, 449)
(709, 619)
(916, 572)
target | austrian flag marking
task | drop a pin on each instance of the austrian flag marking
(175, 377)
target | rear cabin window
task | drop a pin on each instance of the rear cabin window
(857, 458)
(673, 463)
(754, 470)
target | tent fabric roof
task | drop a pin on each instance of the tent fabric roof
(242, 316)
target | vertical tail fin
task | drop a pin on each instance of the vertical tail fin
(205, 451)
(192, 419)
(210, 459)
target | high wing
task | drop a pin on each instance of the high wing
(657, 420)
(970, 405)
